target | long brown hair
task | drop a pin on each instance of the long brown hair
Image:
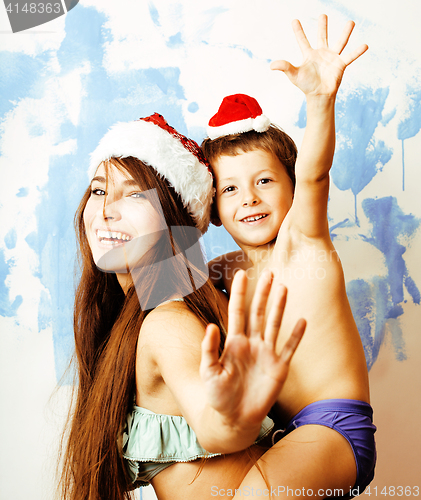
(106, 326)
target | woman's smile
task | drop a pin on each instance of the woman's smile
(112, 238)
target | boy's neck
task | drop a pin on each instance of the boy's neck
(258, 255)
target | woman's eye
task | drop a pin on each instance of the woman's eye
(137, 195)
(98, 192)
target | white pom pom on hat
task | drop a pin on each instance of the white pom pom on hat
(172, 155)
(237, 113)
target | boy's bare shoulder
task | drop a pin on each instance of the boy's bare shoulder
(223, 268)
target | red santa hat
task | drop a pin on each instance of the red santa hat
(237, 113)
(173, 156)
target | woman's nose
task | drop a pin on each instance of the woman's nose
(111, 210)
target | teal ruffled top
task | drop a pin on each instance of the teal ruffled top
(163, 439)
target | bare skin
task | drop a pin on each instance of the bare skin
(170, 342)
(330, 363)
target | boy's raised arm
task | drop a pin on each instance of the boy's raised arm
(319, 77)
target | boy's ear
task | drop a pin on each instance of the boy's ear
(214, 216)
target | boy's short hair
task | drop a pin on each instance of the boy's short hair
(274, 140)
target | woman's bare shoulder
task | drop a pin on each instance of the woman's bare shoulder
(171, 324)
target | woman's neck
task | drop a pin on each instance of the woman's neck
(125, 281)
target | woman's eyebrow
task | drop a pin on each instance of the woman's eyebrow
(99, 179)
(128, 182)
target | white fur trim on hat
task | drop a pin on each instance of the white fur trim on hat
(259, 124)
(150, 143)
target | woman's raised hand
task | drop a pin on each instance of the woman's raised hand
(242, 384)
(321, 72)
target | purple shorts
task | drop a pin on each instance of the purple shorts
(354, 420)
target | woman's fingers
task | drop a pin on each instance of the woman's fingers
(236, 305)
(274, 320)
(210, 350)
(292, 343)
(258, 305)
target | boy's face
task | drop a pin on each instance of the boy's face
(253, 196)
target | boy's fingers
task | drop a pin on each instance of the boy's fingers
(300, 36)
(322, 32)
(290, 70)
(210, 349)
(293, 341)
(273, 323)
(236, 304)
(258, 305)
(280, 65)
(349, 58)
(344, 38)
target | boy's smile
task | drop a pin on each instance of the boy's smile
(253, 196)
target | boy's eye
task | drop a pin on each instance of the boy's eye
(228, 189)
(264, 181)
(97, 191)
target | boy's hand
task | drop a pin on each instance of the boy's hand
(242, 385)
(321, 72)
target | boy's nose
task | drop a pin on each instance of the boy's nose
(250, 199)
(249, 202)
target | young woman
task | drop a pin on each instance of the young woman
(153, 402)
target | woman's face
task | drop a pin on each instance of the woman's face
(122, 221)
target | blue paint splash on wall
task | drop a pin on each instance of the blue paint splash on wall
(175, 41)
(382, 297)
(370, 302)
(22, 192)
(390, 224)
(302, 116)
(358, 155)
(208, 20)
(19, 77)
(153, 11)
(388, 117)
(348, 13)
(193, 107)
(411, 124)
(10, 239)
(7, 308)
(107, 99)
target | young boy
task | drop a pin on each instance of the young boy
(279, 220)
